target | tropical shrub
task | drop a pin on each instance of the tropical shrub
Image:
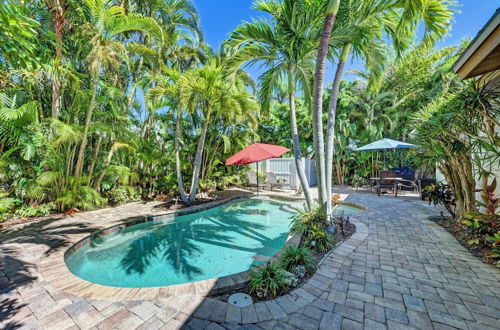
(28, 211)
(319, 240)
(356, 181)
(494, 240)
(303, 221)
(441, 194)
(123, 194)
(7, 204)
(80, 196)
(268, 280)
(293, 257)
(477, 227)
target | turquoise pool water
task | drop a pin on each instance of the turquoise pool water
(217, 242)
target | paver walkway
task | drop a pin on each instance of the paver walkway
(398, 271)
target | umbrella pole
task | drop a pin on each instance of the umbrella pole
(257, 178)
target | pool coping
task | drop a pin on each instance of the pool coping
(56, 273)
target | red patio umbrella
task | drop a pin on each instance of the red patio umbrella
(255, 153)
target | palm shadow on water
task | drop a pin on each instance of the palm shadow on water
(49, 235)
(177, 242)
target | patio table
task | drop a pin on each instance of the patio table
(396, 181)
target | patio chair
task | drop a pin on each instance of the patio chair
(387, 180)
(414, 184)
(273, 181)
(252, 180)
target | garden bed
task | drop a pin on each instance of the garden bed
(459, 231)
(315, 257)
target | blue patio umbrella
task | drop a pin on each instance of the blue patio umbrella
(385, 144)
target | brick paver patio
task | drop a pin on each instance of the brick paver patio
(398, 271)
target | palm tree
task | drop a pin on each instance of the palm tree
(105, 23)
(285, 45)
(206, 92)
(211, 94)
(317, 109)
(362, 30)
(174, 85)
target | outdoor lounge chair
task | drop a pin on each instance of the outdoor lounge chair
(414, 184)
(252, 180)
(273, 181)
(387, 179)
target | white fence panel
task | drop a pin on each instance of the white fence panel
(285, 169)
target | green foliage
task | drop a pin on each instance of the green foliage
(7, 204)
(81, 197)
(319, 240)
(28, 211)
(296, 256)
(18, 33)
(71, 130)
(268, 280)
(356, 181)
(312, 225)
(123, 194)
(303, 221)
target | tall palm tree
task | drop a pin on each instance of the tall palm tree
(368, 24)
(213, 93)
(285, 45)
(207, 93)
(106, 23)
(174, 85)
(317, 109)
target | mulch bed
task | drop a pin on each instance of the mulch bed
(338, 238)
(460, 233)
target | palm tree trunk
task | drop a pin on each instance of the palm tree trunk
(178, 168)
(88, 119)
(56, 97)
(332, 113)
(94, 159)
(299, 162)
(197, 160)
(107, 162)
(131, 95)
(317, 113)
(57, 10)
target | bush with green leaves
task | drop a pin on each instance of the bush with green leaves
(7, 204)
(123, 194)
(293, 257)
(319, 240)
(303, 221)
(28, 211)
(82, 197)
(268, 280)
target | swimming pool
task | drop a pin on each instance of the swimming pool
(221, 241)
(213, 243)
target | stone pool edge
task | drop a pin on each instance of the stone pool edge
(55, 272)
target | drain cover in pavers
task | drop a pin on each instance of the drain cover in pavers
(240, 300)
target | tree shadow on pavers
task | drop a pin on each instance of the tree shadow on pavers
(48, 233)
(13, 273)
(15, 268)
(8, 308)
